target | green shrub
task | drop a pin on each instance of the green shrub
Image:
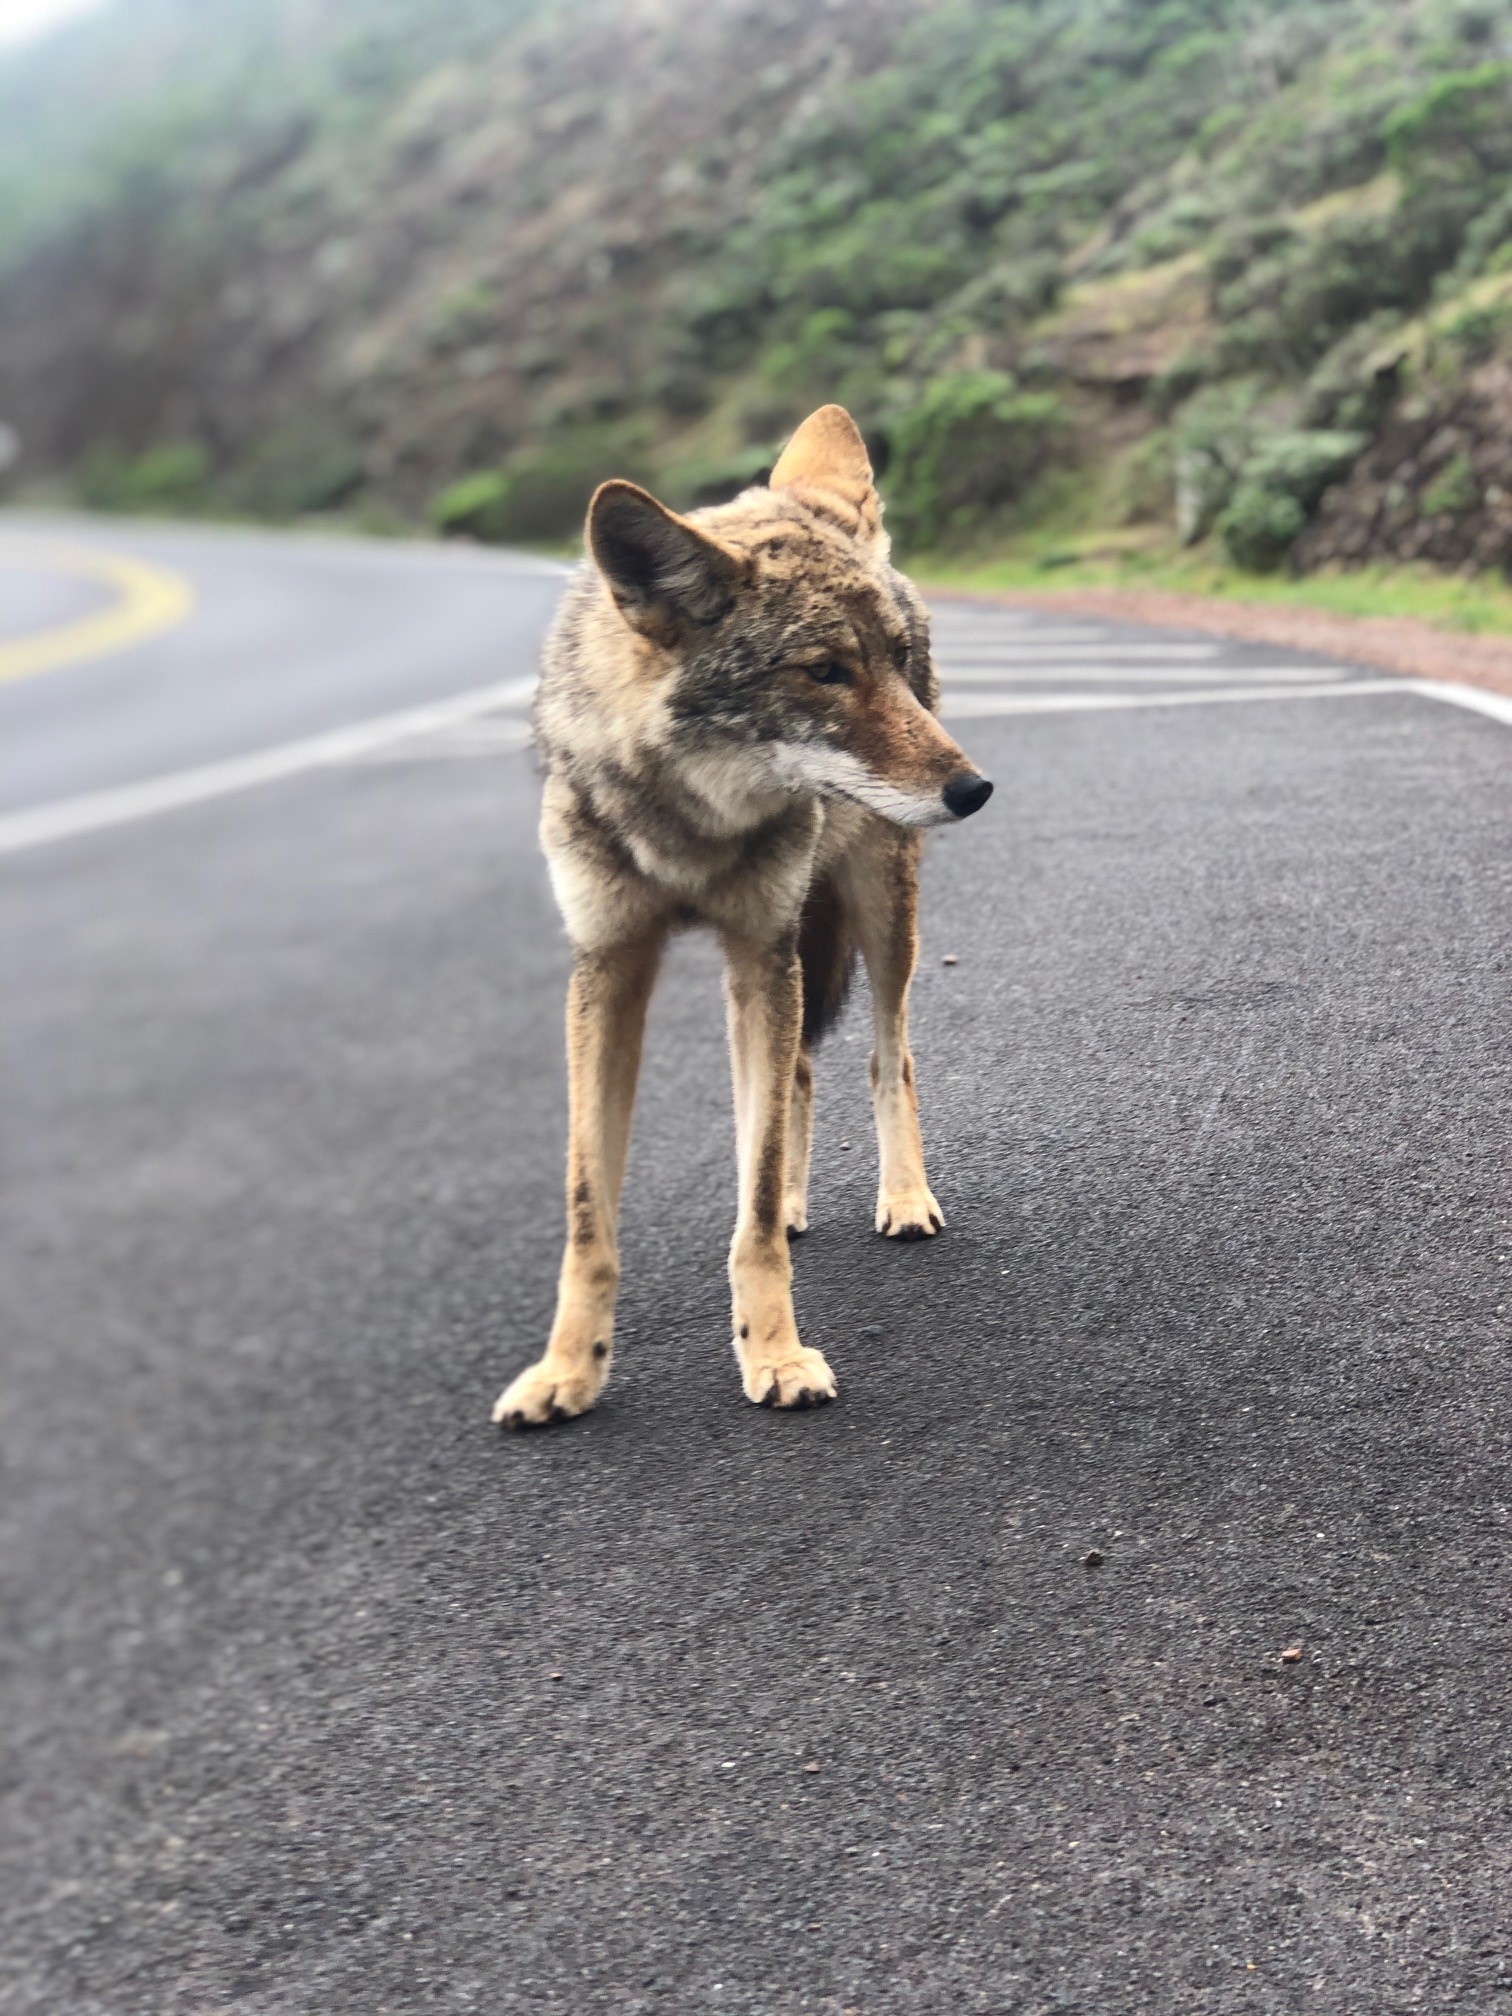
(881, 261)
(174, 476)
(1301, 463)
(824, 347)
(973, 443)
(295, 472)
(1244, 244)
(1488, 241)
(1355, 382)
(473, 507)
(715, 479)
(1010, 293)
(1477, 331)
(1170, 388)
(1185, 222)
(1453, 491)
(463, 316)
(681, 388)
(1145, 488)
(1214, 439)
(1287, 309)
(1258, 527)
(1458, 131)
(1280, 484)
(541, 493)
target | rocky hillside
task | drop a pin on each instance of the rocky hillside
(1229, 270)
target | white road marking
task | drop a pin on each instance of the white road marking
(1497, 705)
(96, 810)
(1052, 675)
(987, 614)
(946, 637)
(967, 706)
(1132, 654)
(99, 810)
(483, 737)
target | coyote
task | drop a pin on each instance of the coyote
(737, 722)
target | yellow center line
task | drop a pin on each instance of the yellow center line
(148, 601)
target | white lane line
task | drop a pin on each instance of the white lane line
(945, 637)
(968, 705)
(1094, 672)
(970, 615)
(484, 737)
(1497, 705)
(96, 810)
(1132, 654)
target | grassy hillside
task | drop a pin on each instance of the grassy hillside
(1104, 280)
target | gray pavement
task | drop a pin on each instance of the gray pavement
(322, 1697)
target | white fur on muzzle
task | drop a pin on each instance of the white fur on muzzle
(834, 773)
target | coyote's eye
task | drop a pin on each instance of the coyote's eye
(831, 673)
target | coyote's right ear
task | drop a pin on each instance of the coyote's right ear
(826, 463)
(661, 570)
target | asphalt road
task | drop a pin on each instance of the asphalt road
(323, 1699)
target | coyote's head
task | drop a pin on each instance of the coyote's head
(775, 624)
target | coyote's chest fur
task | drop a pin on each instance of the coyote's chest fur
(736, 721)
(650, 809)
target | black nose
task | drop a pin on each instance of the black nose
(966, 794)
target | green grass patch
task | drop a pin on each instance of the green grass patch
(1477, 603)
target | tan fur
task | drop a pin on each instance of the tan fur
(736, 713)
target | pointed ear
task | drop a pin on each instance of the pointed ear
(827, 453)
(662, 570)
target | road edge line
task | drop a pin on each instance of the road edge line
(1478, 699)
(985, 705)
(96, 811)
(123, 804)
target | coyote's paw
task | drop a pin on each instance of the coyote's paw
(545, 1392)
(909, 1214)
(787, 1375)
(795, 1215)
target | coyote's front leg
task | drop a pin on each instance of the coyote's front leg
(764, 992)
(885, 896)
(606, 1018)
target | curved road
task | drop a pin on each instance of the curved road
(285, 638)
(1132, 1636)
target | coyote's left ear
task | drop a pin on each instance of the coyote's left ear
(827, 463)
(662, 570)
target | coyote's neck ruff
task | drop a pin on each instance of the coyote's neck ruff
(737, 721)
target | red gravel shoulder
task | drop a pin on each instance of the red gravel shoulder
(1403, 644)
